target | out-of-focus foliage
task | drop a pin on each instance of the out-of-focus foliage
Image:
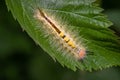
(114, 16)
(22, 59)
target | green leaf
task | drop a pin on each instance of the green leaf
(81, 19)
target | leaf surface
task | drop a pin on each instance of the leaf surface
(81, 16)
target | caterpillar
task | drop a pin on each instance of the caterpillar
(78, 51)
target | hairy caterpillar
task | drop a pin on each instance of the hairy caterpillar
(74, 48)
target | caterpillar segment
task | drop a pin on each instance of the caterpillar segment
(67, 40)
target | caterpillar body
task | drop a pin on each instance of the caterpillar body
(75, 49)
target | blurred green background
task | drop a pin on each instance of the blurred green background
(22, 59)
